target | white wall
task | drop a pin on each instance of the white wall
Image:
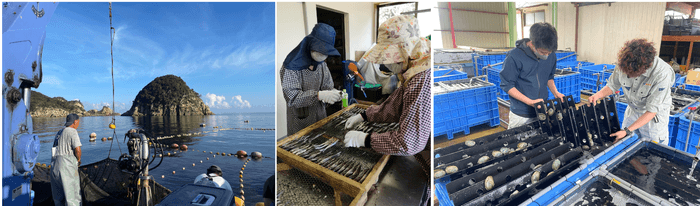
(295, 20)
(603, 29)
(290, 31)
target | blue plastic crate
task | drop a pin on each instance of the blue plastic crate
(566, 57)
(621, 107)
(458, 111)
(673, 124)
(568, 85)
(482, 60)
(683, 123)
(572, 64)
(448, 74)
(589, 78)
(681, 81)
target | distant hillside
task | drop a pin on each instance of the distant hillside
(168, 95)
(44, 106)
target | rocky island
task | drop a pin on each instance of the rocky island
(168, 95)
(44, 106)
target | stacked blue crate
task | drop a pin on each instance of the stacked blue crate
(573, 65)
(482, 60)
(681, 81)
(448, 74)
(683, 124)
(566, 56)
(494, 75)
(459, 110)
(569, 84)
(589, 79)
(621, 107)
(674, 122)
(566, 84)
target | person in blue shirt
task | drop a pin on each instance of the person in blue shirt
(528, 71)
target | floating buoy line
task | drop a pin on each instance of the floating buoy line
(241, 154)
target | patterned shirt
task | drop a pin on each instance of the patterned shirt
(409, 105)
(650, 91)
(300, 89)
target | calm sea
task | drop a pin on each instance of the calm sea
(228, 141)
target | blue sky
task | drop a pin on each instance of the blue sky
(224, 51)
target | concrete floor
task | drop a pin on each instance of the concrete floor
(484, 129)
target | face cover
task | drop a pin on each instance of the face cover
(538, 55)
(318, 57)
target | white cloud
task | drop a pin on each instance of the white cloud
(53, 81)
(239, 102)
(215, 101)
(120, 107)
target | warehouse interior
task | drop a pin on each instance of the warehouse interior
(303, 179)
(480, 160)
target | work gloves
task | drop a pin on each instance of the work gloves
(329, 96)
(355, 139)
(353, 121)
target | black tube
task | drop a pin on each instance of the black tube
(493, 195)
(485, 139)
(472, 162)
(463, 182)
(480, 148)
(525, 194)
(465, 195)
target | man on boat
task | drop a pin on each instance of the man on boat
(213, 177)
(646, 81)
(65, 159)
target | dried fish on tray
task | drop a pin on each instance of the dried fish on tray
(336, 126)
(353, 163)
(319, 151)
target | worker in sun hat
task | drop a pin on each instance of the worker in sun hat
(65, 159)
(646, 81)
(403, 52)
(307, 84)
(528, 71)
(400, 49)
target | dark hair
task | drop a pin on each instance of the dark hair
(544, 36)
(636, 57)
(214, 169)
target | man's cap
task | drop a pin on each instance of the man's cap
(214, 169)
(70, 118)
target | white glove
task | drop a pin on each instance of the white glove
(355, 139)
(353, 121)
(329, 96)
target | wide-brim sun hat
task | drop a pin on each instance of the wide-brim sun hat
(323, 40)
(398, 39)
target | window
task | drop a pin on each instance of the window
(532, 18)
(386, 11)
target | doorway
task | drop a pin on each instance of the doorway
(335, 63)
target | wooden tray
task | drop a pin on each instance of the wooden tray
(339, 182)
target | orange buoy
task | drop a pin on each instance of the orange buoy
(174, 146)
(104, 139)
(241, 153)
(183, 147)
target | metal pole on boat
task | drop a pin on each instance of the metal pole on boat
(144, 187)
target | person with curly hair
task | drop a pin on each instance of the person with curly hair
(528, 71)
(646, 81)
